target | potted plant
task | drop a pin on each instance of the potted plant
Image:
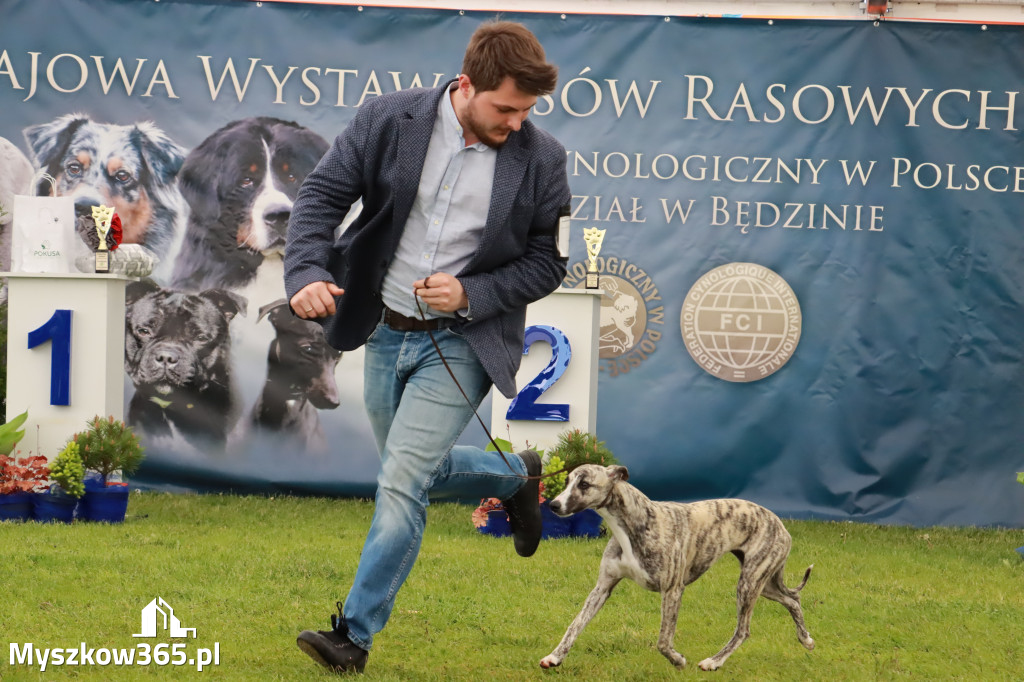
(574, 447)
(68, 485)
(20, 477)
(106, 447)
(1020, 479)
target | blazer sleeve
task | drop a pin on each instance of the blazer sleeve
(323, 201)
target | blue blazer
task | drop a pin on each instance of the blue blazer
(378, 158)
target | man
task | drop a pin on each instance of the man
(461, 203)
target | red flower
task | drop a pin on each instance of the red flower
(115, 231)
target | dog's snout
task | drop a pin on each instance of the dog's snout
(277, 220)
(167, 357)
(555, 505)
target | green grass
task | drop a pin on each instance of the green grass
(883, 603)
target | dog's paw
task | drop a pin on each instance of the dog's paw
(808, 644)
(549, 662)
(709, 664)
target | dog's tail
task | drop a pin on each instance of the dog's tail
(807, 574)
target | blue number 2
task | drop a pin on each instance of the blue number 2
(524, 407)
(58, 330)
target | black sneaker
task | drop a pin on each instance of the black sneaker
(524, 508)
(332, 648)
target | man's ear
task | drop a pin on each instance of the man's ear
(466, 88)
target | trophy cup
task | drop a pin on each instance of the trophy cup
(102, 216)
(593, 237)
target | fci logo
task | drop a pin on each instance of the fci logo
(159, 613)
(741, 322)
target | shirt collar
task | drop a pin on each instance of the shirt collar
(452, 121)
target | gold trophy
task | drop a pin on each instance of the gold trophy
(593, 237)
(102, 215)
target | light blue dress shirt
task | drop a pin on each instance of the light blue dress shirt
(448, 214)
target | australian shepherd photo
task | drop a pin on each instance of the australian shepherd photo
(130, 167)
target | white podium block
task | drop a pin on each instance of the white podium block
(96, 376)
(576, 313)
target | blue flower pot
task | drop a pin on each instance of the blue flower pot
(497, 524)
(55, 506)
(554, 526)
(16, 507)
(586, 524)
(106, 504)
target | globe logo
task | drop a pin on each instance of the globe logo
(741, 322)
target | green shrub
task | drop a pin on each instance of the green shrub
(67, 471)
(108, 445)
(555, 477)
(577, 447)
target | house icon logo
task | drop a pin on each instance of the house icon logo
(158, 611)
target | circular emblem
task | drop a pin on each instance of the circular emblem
(631, 313)
(741, 322)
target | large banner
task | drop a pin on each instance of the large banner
(812, 258)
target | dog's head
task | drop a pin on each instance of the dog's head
(300, 359)
(176, 341)
(241, 181)
(588, 487)
(130, 167)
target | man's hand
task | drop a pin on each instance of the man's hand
(441, 292)
(316, 300)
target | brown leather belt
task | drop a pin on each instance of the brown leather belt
(401, 323)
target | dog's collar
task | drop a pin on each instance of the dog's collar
(604, 502)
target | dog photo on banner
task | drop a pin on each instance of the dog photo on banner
(214, 221)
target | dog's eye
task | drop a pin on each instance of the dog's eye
(246, 183)
(309, 350)
(123, 176)
(74, 169)
(583, 485)
(143, 331)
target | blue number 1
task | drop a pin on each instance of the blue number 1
(58, 330)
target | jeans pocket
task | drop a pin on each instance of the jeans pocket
(373, 334)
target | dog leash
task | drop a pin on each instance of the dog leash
(469, 402)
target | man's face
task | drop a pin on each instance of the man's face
(491, 115)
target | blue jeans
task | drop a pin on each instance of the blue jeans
(417, 413)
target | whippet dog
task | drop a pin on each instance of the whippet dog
(665, 546)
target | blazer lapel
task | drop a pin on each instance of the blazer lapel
(509, 169)
(414, 131)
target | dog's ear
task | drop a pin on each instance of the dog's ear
(199, 182)
(136, 290)
(228, 302)
(618, 473)
(269, 307)
(48, 141)
(163, 156)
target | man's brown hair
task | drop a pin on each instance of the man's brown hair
(502, 49)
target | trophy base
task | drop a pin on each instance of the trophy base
(102, 261)
(593, 280)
